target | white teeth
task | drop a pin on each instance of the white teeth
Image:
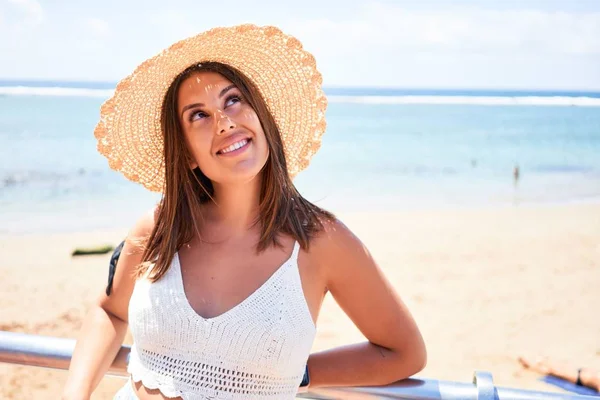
(234, 146)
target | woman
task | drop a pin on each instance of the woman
(223, 282)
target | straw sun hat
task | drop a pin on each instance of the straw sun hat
(129, 133)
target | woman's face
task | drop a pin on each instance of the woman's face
(222, 131)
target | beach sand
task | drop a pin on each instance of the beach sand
(485, 285)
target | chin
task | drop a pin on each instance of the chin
(241, 174)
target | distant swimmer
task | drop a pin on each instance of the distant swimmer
(516, 173)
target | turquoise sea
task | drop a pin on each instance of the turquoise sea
(384, 149)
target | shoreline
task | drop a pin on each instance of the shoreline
(388, 206)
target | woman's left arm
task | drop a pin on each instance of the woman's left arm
(395, 349)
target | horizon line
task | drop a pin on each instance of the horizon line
(113, 84)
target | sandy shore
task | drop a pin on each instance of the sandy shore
(484, 285)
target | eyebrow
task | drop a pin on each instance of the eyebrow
(225, 90)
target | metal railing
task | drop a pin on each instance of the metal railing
(52, 352)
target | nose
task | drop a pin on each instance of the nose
(224, 123)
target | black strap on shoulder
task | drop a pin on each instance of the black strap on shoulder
(113, 266)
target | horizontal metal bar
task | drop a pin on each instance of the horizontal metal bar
(53, 352)
(49, 352)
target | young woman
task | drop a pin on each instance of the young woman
(222, 283)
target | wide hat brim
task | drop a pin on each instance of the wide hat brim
(129, 132)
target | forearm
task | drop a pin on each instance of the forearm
(587, 377)
(563, 372)
(98, 343)
(363, 364)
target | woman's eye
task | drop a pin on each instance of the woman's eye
(197, 115)
(231, 100)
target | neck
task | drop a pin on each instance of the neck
(236, 206)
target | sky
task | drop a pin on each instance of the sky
(505, 44)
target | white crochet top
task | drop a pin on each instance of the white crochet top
(256, 350)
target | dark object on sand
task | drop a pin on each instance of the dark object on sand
(113, 267)
(83, 251)
(569, 386)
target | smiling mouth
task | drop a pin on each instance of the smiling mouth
(235, 146)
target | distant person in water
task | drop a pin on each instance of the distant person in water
(516, 174)
(581, 377)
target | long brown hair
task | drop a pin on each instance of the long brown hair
(282, 210)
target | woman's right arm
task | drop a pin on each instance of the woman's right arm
(105, 324)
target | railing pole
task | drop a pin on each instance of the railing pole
(49, 352)
(52, 352)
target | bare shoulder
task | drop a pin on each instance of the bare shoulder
(129, 260)
(335, 242)
(142, 228)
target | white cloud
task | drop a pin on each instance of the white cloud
(27, 13)
(96, 26)
(393, 28)
(176, 25)
(376, 44)
(385, 44)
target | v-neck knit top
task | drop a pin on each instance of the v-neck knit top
(256, 350)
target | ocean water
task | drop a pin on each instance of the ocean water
(384, 149)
